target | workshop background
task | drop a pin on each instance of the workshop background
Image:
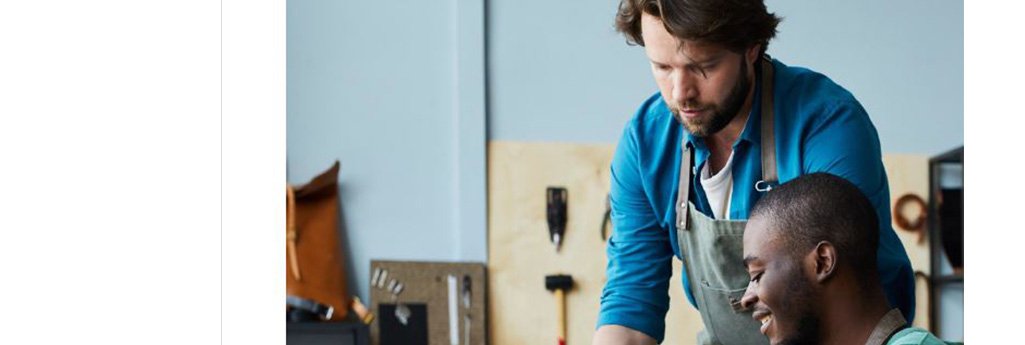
(450, 118)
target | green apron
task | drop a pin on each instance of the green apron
(713, 249)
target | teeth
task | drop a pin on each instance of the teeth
(766, 319)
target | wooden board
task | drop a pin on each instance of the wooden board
(427, 283)
(910, 174)
(520, 254)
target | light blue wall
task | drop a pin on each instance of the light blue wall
(395, 91)
(559, 72)
(904, 60)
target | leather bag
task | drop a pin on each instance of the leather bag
(314, 264)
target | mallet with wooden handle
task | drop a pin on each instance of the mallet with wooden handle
(559, 284)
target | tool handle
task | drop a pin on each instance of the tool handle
(560, 314)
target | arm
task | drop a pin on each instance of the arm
(635, 299)
(619, 335)
(845, 143)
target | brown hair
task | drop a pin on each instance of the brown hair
(737, 24)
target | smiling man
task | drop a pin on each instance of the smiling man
(810, 249)
(726, 125)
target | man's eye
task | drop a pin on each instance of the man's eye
(699, 70)
(756, 277)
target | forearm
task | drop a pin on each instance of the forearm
(619, 335)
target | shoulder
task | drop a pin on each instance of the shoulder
(652, 115)
(914, 336)
(814, 99)
(808, 87)
(650, 123)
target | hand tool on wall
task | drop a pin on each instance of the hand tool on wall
(606, 220)
(361, 310)
(402, 311)
(556, 197)
(560, 283)
(453, 310)
(375, 277)
(466, 306)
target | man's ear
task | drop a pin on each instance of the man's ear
(752, 54)
(822, 261)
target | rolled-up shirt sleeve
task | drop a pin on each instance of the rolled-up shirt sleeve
(639, 252)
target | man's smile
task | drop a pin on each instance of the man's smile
(765, 317)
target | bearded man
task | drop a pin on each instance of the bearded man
(727, 125)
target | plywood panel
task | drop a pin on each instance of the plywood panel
(520, 254)
(910, 174)
(521, 311)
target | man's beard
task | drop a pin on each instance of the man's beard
(721, 115)
(801, 306)
(808, 332)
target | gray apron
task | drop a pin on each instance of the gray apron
(713, 249)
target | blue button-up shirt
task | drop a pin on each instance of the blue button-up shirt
(819, 126)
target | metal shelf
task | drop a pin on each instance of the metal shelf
(955, 156)
(952, 156)
(945, 279)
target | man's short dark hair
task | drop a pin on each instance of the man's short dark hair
(736, 24)
(823, 207)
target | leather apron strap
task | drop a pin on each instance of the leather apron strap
(889, 325)
(769, 176)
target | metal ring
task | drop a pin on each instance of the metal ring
(765, 186)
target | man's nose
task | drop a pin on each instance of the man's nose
(750, 298)
(683, 86)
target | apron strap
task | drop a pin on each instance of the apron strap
(769, 175)
(683, 193)
(890, 324)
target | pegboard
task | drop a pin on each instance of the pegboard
(427, 283)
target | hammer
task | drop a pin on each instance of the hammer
(560, 283)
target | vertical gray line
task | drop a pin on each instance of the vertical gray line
(221, 172)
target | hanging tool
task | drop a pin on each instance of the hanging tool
(466, 305)
(453, 310)
(402, 312)
(556, 215)
(559, 284)
(361, 310)
(606, 220)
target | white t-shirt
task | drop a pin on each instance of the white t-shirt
(719, 188)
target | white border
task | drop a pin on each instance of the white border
(253, 176)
